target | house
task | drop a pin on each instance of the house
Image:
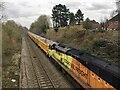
(114, 23)
(95, 25)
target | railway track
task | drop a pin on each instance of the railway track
(44, 74)
(42, 77)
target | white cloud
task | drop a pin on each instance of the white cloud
(25, 21)
(26, 11)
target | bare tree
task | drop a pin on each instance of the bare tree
(1, 9)
(118, 6)
(118, 11)
(41, 25)
(114, 12)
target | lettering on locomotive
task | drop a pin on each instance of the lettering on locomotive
(85, 75)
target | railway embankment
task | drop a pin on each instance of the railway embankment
(100, 43)
(11, 54)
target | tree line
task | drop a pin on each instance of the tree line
(11, 38)
(61, 16)
(40, 25)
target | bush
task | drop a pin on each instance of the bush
(11, 39)
(101, 30)
(96, 30)
(99, 43)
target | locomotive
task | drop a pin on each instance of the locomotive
(88, 70)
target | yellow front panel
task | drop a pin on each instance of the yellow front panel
(67, 60)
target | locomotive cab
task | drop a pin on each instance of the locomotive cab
(52, 46)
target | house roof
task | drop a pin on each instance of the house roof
(115, 18)
(93, 21)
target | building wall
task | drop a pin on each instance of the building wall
(95, 25)
(113, 25)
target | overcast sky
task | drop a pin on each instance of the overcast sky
(25, 12)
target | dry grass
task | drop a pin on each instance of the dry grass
(76, 37)
(11, 48)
